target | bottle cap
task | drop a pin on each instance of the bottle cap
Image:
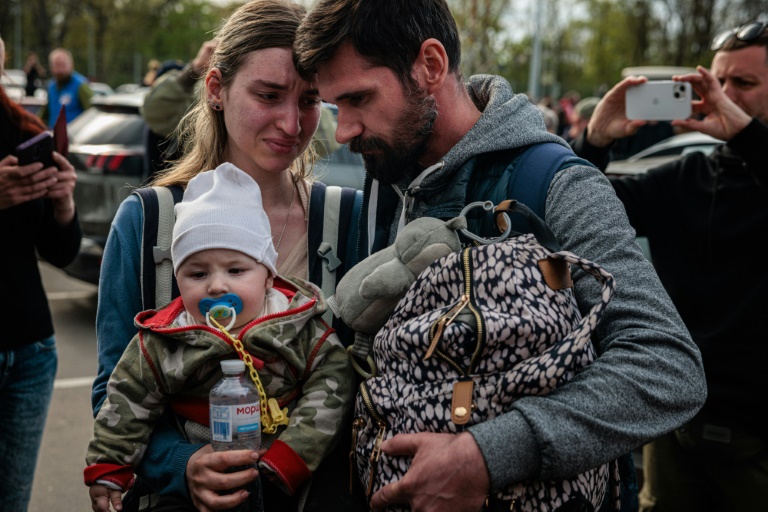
(232, 366)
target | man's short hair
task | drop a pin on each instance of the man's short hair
(387, 33)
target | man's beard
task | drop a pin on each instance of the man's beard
(391, 162)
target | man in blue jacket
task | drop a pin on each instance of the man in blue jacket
(67, 87)
(433, 144)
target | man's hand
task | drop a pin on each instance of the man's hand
(19, 184)
(722, 117)
(199, 64)
(609, 120)
(448, 472)
(206, 476)
(102, 497)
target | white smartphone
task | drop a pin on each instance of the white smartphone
(660, 100)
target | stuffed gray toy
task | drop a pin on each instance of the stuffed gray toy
(367, 295)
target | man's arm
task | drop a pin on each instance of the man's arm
(647, 381)
(173, 93)
(608, 123)
(85, 95)
(718, 117)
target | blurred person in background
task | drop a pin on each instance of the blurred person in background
(551, 120)
(565, 109)
(37, 217)
(173, 93)
(149, 77)
(703, 216)
(34, 71)
(66, 88)
(580, 115)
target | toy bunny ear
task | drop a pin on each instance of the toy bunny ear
(457, 223)
(387, 280)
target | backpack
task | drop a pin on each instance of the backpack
(535, 167)
(477, 330)
(339, 207)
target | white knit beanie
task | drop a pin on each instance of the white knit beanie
(222, 209)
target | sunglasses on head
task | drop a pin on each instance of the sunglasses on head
(746, 33)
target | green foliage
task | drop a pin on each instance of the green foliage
(585, 43)
(112, 40)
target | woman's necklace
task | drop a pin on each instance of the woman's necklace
(287, 216)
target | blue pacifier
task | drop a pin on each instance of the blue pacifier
(226, 306)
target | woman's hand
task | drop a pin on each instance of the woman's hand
(61, 192)
(207, 476)
(19, 184)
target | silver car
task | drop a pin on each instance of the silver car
(662, 152)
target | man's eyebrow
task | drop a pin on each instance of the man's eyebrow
(350, 94)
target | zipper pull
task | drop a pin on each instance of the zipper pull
(444, 321)
(279, 417)
(375, 454)
(357, 426)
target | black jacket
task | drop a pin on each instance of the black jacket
(28, 230)
(705, 218)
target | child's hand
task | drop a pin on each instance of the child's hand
(102, 496)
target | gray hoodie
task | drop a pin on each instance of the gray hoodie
(649, 377)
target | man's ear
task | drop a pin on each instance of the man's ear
(431, 65)
(213, 85)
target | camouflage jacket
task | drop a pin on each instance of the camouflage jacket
(300, 362)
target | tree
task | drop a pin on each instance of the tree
(480, 27)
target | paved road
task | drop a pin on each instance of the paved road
(58, 485)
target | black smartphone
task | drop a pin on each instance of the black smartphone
(37, 149)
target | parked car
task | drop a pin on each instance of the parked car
(14, 81)
(662, 152)
(101, 89)
(107, 150)
(668, 150)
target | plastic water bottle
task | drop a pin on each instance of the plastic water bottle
(236, 421)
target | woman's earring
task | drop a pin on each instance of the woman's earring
(214, 106)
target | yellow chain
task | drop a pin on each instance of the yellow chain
(271, 416)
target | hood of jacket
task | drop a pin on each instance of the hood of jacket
(305, 302)
(508, 121)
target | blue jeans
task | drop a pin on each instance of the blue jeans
(26, 386)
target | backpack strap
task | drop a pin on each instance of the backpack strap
(158, 285)
(331, 213)
(533, 172)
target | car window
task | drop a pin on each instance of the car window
(99, 127)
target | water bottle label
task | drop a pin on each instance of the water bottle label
(239, 420)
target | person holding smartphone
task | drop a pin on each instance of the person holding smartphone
(703, 217)
(37, 217)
